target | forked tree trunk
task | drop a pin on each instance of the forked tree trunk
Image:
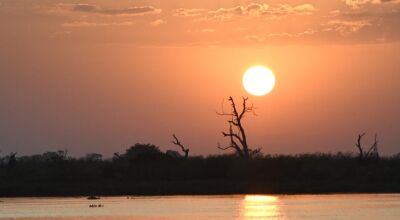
(237, 133)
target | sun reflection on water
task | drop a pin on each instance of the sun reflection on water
(260, 207)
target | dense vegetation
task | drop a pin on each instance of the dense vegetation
(144, 169)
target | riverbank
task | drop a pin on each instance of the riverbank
(190, 188)
(214, 175)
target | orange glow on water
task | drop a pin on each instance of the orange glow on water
(256, 206)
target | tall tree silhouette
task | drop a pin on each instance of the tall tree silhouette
(236, 133)
(372, 152)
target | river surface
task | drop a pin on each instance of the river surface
(241, 207)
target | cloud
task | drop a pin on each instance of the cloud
(60, 33)
(157, 22)
(284, 10)
(94, 24)
(254, 38)
(129, 11)
(84, 8)
(345, 28)
(357, 4)
(186, 12)
(373, 20)
(142, 10)
(304, 9)
(250, 10)
(279, 35)
(208, 30)
(204, 30)
(253, 9)
(337, 31)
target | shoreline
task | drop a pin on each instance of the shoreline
(200, 195)
(194, 189)
(223, 175)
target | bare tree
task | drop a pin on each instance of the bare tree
(359, 147)
(236, 132)
(372, 152)
(178, 143)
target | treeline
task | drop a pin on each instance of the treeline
(144, 170)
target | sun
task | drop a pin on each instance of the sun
(258, 80)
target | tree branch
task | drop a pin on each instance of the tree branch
(224, 148)
(374, 147)
(371, 152)
(178, 143)
(359, 146)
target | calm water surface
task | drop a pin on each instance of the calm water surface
(241, 207)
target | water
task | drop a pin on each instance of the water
(241, 207)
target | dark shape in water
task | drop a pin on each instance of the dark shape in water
(96, 206)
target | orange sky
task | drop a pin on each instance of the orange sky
(99, 76)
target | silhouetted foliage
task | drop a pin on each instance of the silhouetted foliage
(11, 159)
(143, 152)
(144, 169)
(56, 156)
(93, 157)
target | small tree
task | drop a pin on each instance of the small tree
(371, 153)
(178, 143)
(93, 157)
(143, 152)
(236, 133)
(55, 156)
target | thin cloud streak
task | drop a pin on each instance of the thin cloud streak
(128, 11)
(95, 24)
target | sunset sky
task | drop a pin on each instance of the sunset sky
(101, 75)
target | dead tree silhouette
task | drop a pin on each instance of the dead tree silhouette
(178, 143)
(371, 153)
(236, 133)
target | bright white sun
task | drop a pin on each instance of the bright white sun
(258, 80)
